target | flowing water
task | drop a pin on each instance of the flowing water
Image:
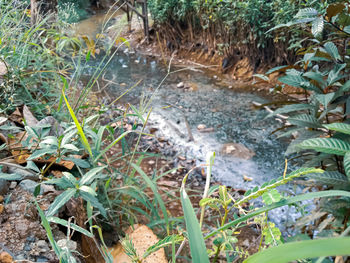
(227, 114)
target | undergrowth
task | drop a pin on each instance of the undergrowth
(111, 198)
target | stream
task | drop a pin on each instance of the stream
(238, 133)
(221, 120)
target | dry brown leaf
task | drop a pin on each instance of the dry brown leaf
(29, 117)
(21, 155)
(142, 238)
(16, 116)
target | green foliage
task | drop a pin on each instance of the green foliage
(302, 250)
(228, 26)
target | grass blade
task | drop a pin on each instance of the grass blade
(281, 203)
(156, 194)
(196, 240)
(288, 252)
(76, 122)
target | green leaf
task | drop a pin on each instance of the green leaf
(65, 223)
(88, 189)
(325, 99)
(60, 201)
(196, 240)
(10, 177)
(48, 230)
(76, 122)
(155, 192)
(326, 145)
(167, 241)
(90, 175)
(339, 127)
(338, 246)
(293, 80)
(41, 152)
(317, 26)
(305, 120)
(330, 178)
(306, 12)
(111, 145)
(208, 200)
(271, 197)
(347, 164)
(292, 108)
(94, 202)
(332, 50)
(70, 147)
(283, 202)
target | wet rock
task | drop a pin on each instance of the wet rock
(247, 178)
(180, 85)
(42, 245)
(201, 127)
(67, 244)
(24, 173)
(29, 185)
(237, 150)
(42, 259)
(4, 186)
(13, 185)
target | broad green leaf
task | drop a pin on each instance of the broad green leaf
(41, 152)
(10, 177)
(94, 202)
(293, 80)
(325, 99)
(317, 26)
(70, 147)
(70, 178)
(76, 122)
(338, 246)
(91, 175)
(50, 140)
(332, 50)
(65, 223)
(305, 120)
(197, 245)
(330, 178)
(326, 145)
(315, 76)
(347, 164)
(339, 127)
(307, 12)
(78, 162)
(291, 108)
(88, 189)
(60, 201)
(271, 197)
